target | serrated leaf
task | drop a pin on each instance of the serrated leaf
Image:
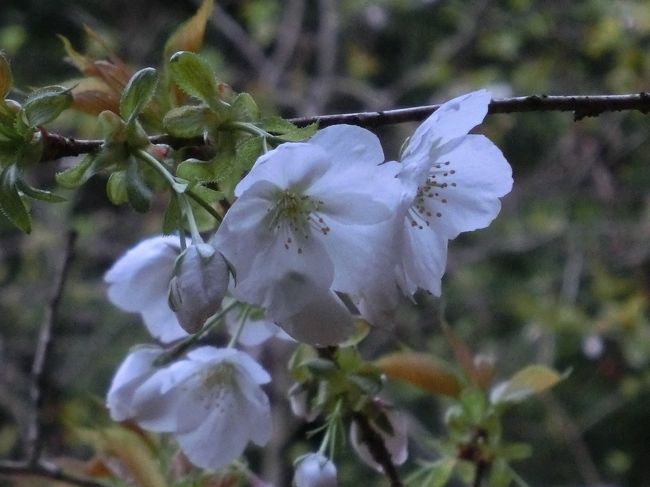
(6, 78)
(38, 194)
(137, 191)
(116, 188)
(531, 380)
(421, 370)
(44, 105)
(244, 108)
(189, 35)
(287, 131)
(249, 151)
(75, 176)
(138, 92)
(11, 204)
(214, 170)
(194, 76)
(189, 121)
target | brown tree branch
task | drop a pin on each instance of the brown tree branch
(39, 366)
(377, 448)
(44, 470)
(57, 146)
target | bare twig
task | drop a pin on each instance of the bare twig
(41, 357)
(44, 470)
(377, 448)
(58, 146)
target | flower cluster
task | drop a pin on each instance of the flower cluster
(319, 230)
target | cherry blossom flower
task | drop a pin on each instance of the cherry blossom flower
(293, 234)
(139, 281)
(199, 284)
(451, 182)
(315, 470)
(457, 180)
(211, 401)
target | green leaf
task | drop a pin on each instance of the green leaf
(116, 188)
(11, 204)
(249, 151)
(189, 121)
(38, 194)
(244, 109)
(138, 93)
(137, 191)
(194, 76)
(287, 131)
(44, 105)
(172, 217)
(6, 78)
(204, 220)
(214, 170)
(474, 405)
(531, 380)
(75, 176)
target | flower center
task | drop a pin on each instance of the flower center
(296, 215)
(221, 375)
(430, 196)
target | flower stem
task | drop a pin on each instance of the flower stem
(183, 346)
(240, 327)
(162, 170)
(186, 210)
(203, 204)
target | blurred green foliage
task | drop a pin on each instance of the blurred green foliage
(561, 278)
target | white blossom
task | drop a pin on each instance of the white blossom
(457, 180)
(295, 234)
(139, 280)
(211, 401)
(315, 470)
(451, 182)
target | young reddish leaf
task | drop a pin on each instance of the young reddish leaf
(6, 79)
(421, 370)
(530, 380)
(189, 35)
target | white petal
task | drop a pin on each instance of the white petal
(136, 369)
(142, 274)
(475, 178)
(349, 145)
(221, 437)
(423, 260)
(453, 119)
(289, 166)
(323, 321)
(161, 321)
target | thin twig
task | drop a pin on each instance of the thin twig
(41, 469)
(377, 448)
(58, 146)
(41, 356)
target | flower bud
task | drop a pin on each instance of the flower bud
(199, 284)
(315, 470)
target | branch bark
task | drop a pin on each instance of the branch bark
(58, 146)
(41, 357)
(43, 470)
